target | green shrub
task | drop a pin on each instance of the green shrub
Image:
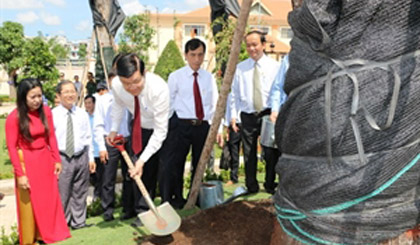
(260, 167)
(169, 61)
(11, 239)
(94, 209)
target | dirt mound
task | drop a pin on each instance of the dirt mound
(235, 223)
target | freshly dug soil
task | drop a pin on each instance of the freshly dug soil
(241, 222)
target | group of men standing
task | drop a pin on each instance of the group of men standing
(161, 122)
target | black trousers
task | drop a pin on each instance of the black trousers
(251, 127)
(167, 153)
(96, 178)
(109, 174)
(233, 145)
(149, 177)
(189, 136)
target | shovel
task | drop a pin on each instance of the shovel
(160, 221)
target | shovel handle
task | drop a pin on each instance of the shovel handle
(140, 184)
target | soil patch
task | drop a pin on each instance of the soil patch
(241, 222)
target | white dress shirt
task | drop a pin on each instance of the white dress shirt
(103, 121)
(81, 129)
(228, 116)
(181, 84)
(154, 110)
(242, 88)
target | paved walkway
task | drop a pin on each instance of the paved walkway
(7, 107)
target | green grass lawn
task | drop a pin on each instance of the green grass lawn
(120, 232)
(6, 168)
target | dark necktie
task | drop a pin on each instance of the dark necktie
(199, 111)
(136, 140)
(69, 136)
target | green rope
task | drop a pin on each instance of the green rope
(283, 213)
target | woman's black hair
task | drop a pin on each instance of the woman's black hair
(22, 107)
(127, 64)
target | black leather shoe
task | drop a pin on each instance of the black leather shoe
(108, 218)
(137, 223)
(127, 216)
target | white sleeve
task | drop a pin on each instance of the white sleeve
(160, 124)
(99, 125)
(88, 135)
(172, 92)
(117, 114)
(234, 101)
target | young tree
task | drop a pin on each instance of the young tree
(223, 40)
(82, 51)
(39, 62)
(170, 60)
(137, 36)
(12, 42)
(59, 51)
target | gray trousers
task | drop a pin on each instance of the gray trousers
(73, 185)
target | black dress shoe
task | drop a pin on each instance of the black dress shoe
(137, 223)
(82, 226)
(127, 216)
(108, 218)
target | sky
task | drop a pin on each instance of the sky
(73, 18)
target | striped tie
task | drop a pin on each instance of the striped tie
(69, 136)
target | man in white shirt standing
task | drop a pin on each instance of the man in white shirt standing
(194, 96)
(109, 156)
(146, 96)
(251, 87)
(74, 139)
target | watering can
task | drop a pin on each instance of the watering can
(211, 194)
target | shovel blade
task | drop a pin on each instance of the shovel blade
(169, 223)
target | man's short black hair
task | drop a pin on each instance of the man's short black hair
(89, 96)
(194, 44)
(259, 32)
(129, 63)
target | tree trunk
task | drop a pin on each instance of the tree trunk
(221, 102)
(12, 87)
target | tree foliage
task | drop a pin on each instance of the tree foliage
(39, 62)
(170, 60)
(137, 36)
(223, 40)
(30, 57)
(82, 52)
(12, 42)
(59, 51)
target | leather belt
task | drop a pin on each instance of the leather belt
(193, 122)
(76, 154)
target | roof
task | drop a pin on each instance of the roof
(278, 9)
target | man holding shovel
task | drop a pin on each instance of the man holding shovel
(146, 96)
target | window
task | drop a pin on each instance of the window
(197, 29)
(286, 32)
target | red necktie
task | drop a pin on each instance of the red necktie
(136, 134)
(199, 111)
